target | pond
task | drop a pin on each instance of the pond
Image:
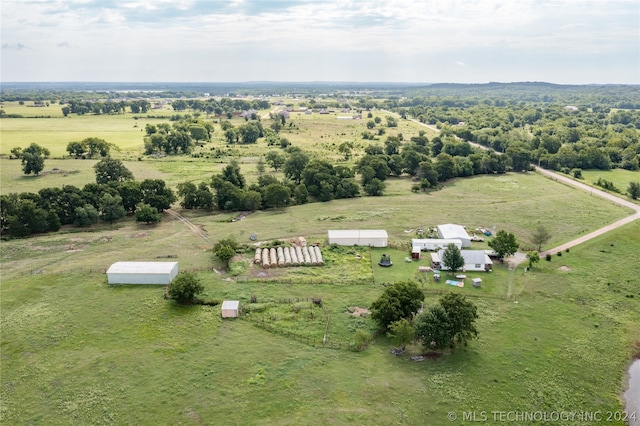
(632, 395)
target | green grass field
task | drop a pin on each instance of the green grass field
(75, 350)
(620, 178)
(78, 351)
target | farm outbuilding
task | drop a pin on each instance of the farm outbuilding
(359, 237)
(451, 231)
(474, 260)
(415, 252)
(142, 272)
(230, 308)
(434, 243)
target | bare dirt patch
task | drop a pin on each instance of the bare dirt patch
(140, 235)
(564, 268)
(357, 311)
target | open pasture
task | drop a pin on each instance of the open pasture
(56, 133)
(514, 202)
(620, 177)
(75, 350)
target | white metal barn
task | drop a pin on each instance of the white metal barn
(455, 232)
(434, 243)
(142, 272)
(359, 237)
(230, 308)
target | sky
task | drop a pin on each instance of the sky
(422, 41)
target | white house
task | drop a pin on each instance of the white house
(474, 260)
(230, 308)
(434, 243)
(142, 272)
(359, 237)
(450, 231)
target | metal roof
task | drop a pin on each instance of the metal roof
(358, 233)
(142, 267)
(230, 304)
(450, 230)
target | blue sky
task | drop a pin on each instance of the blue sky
(461, 41)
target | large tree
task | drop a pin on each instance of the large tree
(111, 207)
(275, 159)
(111, 170)
(277, 195)
(294, 166)
(400, 300)
(504, 243)
(432, 326)
(449, 322)
(157, 194)
(462, 317)
(185, 287)
(33, 159)
(452, 258)
(540, 236)
(147, 214)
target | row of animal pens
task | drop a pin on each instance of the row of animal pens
(283, 257)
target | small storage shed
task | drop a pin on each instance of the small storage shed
(456, 232)
(142, 272)
(415, 252)
(359, 237)
(230, 308)
(477, 282)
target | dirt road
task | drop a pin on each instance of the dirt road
(195, 228)
(596, 192)
(568, 181)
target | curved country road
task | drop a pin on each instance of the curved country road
(594, 191)
(568, 181)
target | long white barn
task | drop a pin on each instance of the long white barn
(434, 243)
(142, 272)
(359, 237)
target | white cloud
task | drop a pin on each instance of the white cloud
(318, 40)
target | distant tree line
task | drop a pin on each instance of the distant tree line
(114, 195)
(554, 136)
(82, 107)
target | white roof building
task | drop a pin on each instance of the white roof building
(230, 308)
(474, 260)
(457, 232)
(434, 243)
(142, 272)
(359, 237)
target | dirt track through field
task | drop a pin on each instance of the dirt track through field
(515, 260)
(195, 228)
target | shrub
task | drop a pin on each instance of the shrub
(548, 257)
(559, 254)
(360, 340)
(185, 288)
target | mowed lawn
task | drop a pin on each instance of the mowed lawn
(78, 351)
